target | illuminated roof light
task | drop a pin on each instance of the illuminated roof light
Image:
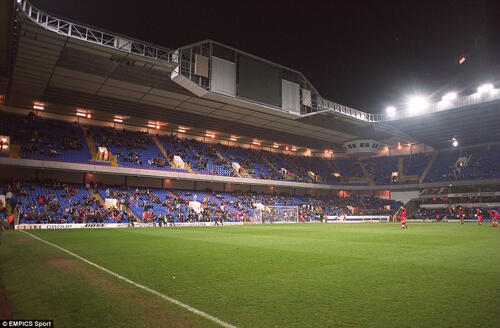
(391, 111)
(181, 130)
(488, 87)
(210, 135)
(38, 106)
(233, 139)
(151, 125)
(276, 146)
(294, 149)
(81, 114)
(417, 104)
(450, 96)
(118, 120)
(256, 142)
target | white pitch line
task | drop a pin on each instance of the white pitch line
(152, 291)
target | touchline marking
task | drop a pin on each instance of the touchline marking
(152, 291)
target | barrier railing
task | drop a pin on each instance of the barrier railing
(95, 36)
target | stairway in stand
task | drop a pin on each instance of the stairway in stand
(162, 149)
(229, 207)
(367, 175)
(90, 143)
(14, 151)
(402, 176)
(113, 160)
(270, 164)
(173, 195)
(228, 163)
(96, 196)
(245, 173)
(428, 168)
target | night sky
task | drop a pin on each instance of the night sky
(366, 56)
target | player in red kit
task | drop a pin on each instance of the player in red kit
(494, 218)
(402, 218)
(461, 214)
(479, 215)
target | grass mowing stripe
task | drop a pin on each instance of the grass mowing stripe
(152, 291)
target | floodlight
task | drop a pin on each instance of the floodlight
(417, 104)
(488, 87)
(391, 111)
(449, 96)
(454, 142)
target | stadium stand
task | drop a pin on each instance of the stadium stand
(46, 139)
(213, 131)
(56, 202)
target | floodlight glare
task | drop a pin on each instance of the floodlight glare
(417, 104)
(391, 111)
(449, 96)
(488, 87)
(455, 143)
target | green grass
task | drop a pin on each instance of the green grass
(311, 275)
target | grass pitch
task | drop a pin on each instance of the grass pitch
(309, 275)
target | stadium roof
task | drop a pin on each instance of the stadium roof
(69, 66)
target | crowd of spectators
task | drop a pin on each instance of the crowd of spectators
(41, 138)
(51, 139)
(54, 202)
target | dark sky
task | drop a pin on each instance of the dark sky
(366, 56)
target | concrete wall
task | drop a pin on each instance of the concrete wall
(16, 173)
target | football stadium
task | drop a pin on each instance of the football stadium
(205, 186)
